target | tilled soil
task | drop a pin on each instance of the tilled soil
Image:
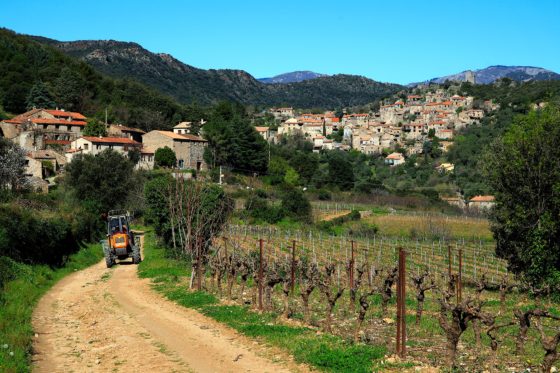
(109, 320)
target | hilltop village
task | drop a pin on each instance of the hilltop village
(403, 125)
(398, 129)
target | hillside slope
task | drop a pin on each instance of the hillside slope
(74, 85)
(190, 84)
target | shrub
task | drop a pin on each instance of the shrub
(165, 157)
(296, 205)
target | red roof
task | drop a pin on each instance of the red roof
(62, 113)
(58, 121)
(483, 199)
(110, 140)
(335, 120)
(177, 136)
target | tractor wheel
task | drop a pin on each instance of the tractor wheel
(109, 260)
(136, 255)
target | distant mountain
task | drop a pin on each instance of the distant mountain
(190, 84)
(293, 77)
(492, 73)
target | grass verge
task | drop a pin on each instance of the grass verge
(18, 298)
(322, 351)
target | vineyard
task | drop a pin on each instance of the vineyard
(375, 253)
(349, 285)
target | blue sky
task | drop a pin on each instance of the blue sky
(400, 41)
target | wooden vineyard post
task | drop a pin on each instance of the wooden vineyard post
(293, 274)
(260, 274)
(401, 305)
(352, 265)
(460, 278)
(449, 261)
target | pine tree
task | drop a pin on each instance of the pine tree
(39, 97)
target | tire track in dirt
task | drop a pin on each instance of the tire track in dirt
(109, 320)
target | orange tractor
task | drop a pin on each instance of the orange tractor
(121, 242)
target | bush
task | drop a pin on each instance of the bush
(165, 157)
(296, 205)
(26, 236)
(258, 208)
(324, 195)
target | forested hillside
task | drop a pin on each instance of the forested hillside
(472, 143)
(189, 84)
(74, 85)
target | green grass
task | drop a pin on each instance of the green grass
(17, 302)
(322, 351)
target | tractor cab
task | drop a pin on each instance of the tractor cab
(120, 242)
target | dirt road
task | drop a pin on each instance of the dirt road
(109, 320)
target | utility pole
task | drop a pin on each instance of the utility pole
(105, 117)
(221, 175)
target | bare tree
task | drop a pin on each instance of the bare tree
(12, 165)
(198, 212)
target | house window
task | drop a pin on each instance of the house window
(86, 146)
(181, 163)
(97, 146)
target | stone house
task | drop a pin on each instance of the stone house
(146, 161)
(482, 202)
(183, 128)
(394, 159)
(189, 149)
(95, 145)
(282, 112)
(264, 132)
(118, 130)
(37, 128)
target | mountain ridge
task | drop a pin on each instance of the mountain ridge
(492, 73)
(292, 77)
(189, 84)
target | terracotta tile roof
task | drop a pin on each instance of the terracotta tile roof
(58, 121)
(395, 156)
(128, 129)
(62, 113)
(110, 140)
(176, 136)
(261, 129)
(335, 120)
(74, 151)
(483, 199)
